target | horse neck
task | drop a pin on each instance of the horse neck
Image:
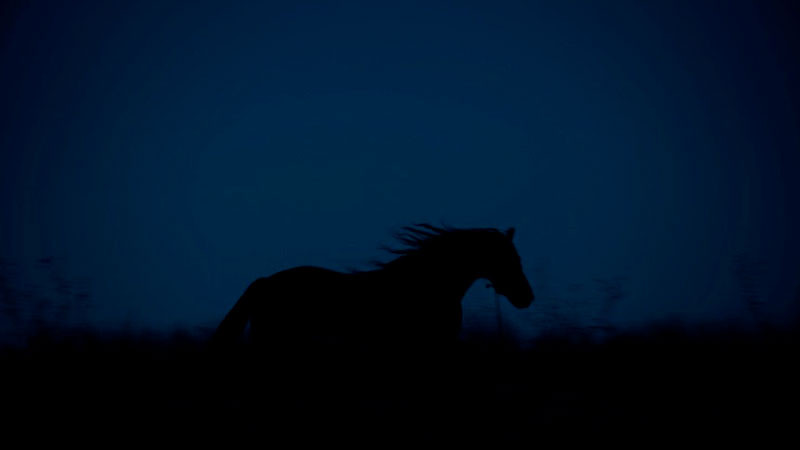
(443, 278)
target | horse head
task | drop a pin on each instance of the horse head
(465, 254)
(501, 265)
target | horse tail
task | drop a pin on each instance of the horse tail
(234, 323)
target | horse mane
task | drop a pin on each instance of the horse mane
(422, 240)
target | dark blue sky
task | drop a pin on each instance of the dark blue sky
(166, 154)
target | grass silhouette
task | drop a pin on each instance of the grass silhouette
(666, 380)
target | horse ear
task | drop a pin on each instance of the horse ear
(510, 233)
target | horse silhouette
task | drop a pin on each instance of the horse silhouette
(413, 298)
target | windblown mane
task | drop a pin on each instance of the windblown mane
(422, 239)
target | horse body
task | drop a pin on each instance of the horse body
(414, 298)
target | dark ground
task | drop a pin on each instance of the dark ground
(664, 384)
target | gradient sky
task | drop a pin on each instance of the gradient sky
(164, 155)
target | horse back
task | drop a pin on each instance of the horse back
(301, 299)
(310, 302)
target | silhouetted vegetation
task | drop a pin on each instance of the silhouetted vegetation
(666, 381)
(589, 382)
(40, 299)
(748, 273)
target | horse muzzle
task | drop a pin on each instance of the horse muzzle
(519, 299)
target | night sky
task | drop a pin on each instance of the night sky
(156, 157)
